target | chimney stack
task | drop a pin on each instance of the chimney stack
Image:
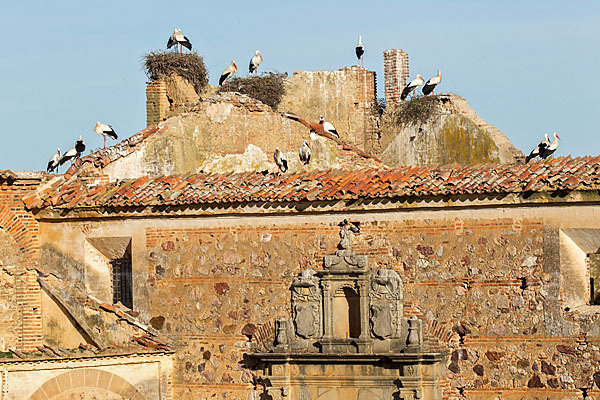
(395, 64)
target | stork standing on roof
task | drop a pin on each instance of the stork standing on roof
(53, 162)
(280, 160)
(360, 50)
(227, 74)
(548, 151)
(432, 83)
(70, 155)
(328, 127)
(80, 146)
(178, 38)
(539, 149)
(255, 62)
(412, 87)
(304, 153)
(105, 130)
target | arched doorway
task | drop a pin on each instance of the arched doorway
(87, 384)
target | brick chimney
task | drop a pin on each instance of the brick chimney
(395, 64)
(157, 103)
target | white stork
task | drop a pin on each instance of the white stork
(328, 127)
(69, 155)
(412, 87)
(360, 49)
(304, 153)
(80, 146)
(548, 151)
(227, 74)
(178, 38)
(539, 149)
(432, 83)
(105, 130)
(280, 160)
(255, 62)
(53, 162)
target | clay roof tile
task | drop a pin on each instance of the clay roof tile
(564, 173)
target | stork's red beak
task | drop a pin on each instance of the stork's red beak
(558, 137)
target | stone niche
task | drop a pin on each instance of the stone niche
(348, 337)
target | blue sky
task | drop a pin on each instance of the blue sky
(526, 67)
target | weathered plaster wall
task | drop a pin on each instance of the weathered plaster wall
(57, 328)
(121, 377)
(223, 125)
(485, 281)
(9, 312)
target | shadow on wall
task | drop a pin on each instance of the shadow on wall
(63, 266)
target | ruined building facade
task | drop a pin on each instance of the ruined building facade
(128, 279)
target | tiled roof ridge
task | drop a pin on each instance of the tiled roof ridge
(555, 174)
(103, 157)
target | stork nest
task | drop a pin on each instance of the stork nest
(190, 66)
(415, 111)
(268, 88)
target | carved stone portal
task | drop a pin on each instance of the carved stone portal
(345, 318)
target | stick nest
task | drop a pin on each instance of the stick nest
(268, 88)
(415, 111)
(190, 66)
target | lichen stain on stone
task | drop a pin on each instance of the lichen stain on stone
(461, 139)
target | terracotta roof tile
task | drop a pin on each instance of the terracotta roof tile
(563, 173)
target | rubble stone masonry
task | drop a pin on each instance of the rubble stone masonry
(478, 285)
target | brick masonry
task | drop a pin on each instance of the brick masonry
(395, 66)
(21, 327)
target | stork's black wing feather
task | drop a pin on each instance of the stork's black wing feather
(186, 43)
(359, 51)
(405, 92)
(427, 89)
(170, 43)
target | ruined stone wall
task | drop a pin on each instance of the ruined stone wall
(344, 97)
(226, 133)
(488, 289)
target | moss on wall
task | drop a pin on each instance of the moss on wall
(460, 139)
